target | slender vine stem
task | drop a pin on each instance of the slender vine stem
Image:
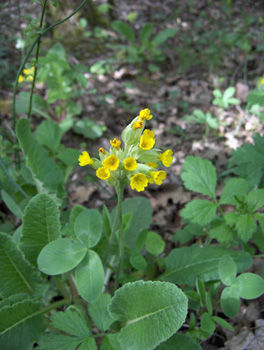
(36, 62)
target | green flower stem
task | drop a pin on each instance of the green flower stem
(36, 63)
(119, 191)
(121, 238)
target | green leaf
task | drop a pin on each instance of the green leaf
(184, 265)
(154, 243)
(88, 227)
(98, 310)
(46, 173)
(220, 231)
(142, 308)
(71, 321)
(124, 29)
(179, 342)
(68, 156)
(90, 277)
(223, 323)
(49, 134)
(234, 187)
(41, 225)
(199, 175)
(246, 226)
(89, 343)
(21, 324)
(209, 304)
(255, 200)
(138, 262)
(163, 36)
(89, 128)
(61, 256)
(256, 97)
(54, 341)
(16, 273)
(227, 270)
(229, 92)
(110, 342)
(146, 32)
(207, 324)
(249, 285)
(188, 232)
(259, 235)
(199, 211)
(11, 204)
(82, 80)
(76, 210)
(200, 286)
(230, 302)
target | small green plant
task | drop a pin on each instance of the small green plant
(200, 117)
(224, 100)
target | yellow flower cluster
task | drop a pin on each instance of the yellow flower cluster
(29, 73)
(135, 163)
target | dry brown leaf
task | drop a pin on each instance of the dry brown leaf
(82, 193)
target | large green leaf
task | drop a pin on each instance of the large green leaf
(47, 175)
(245, 226)
(255, 200)
(249, 285)
(150, 312)
(88, 227)
(61, 256)
(199, 211)
(164, 35)
(99, 312)
(199, 175)
(230, 301)
(11, 204)
(54, 341)
(234, 187)
(124, 29)
(41, 225)
(184, 265)
(49, 134)
(90, 277)
(16, 273)
(179, 341)
(71, 321)
(21, 324)
(146, 33)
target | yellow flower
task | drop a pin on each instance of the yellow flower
(146, 142)
(138, 125)
(130, 164)
(152, 165)
(262, 81)
(111, 162)
(149, 133)
(145, 114)
(158, 176)
(166, 158)
(84, 159)
(139, 182)
(21, 79)
(29, 71)
(115, 143)
(101, 150)
(103, 173)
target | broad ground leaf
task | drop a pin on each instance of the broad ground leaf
(234, 187)
(72, 321)
(179, 341)
(124, 29)
(245, 226)
(150, 312)
(54, 341)
(16, 273)
(230, 301)
(21, 324)
(46, 173)
(88, 227)
(138, 261)
(99, 312)
(220, 231)
(68, 156)
(90, 277)
(163, 36)
(154, 243)
(184, 265)
(41, 225)
(227, 270)
(61, 256)
(199, 211)
(49, 134)
(199, 175)
(249, 285)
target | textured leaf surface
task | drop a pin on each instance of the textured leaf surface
(199, 211)
(184, 265)
(90, 277)
(20, 325)
(199, 175)
(61, 256)
(179, 341)
(49, 134)
(43, 168)
(150, 311)
(16, 273)
(255, 200)
(99, 312)
(53, 341)
(245, 226)
(88, 227)
(11, 204)
(234, 187)
(41, 225)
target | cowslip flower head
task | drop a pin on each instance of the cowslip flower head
(138, 124)
(166, 158)
(149, 133)
(139, 182)
(111, 162)
(21, 79)
(146, 142)
(85, 159)
(158, 176)
(103, 173)
(115, 143)
(130, 164)
(153, 165)
(145, 114)
(101, 150)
